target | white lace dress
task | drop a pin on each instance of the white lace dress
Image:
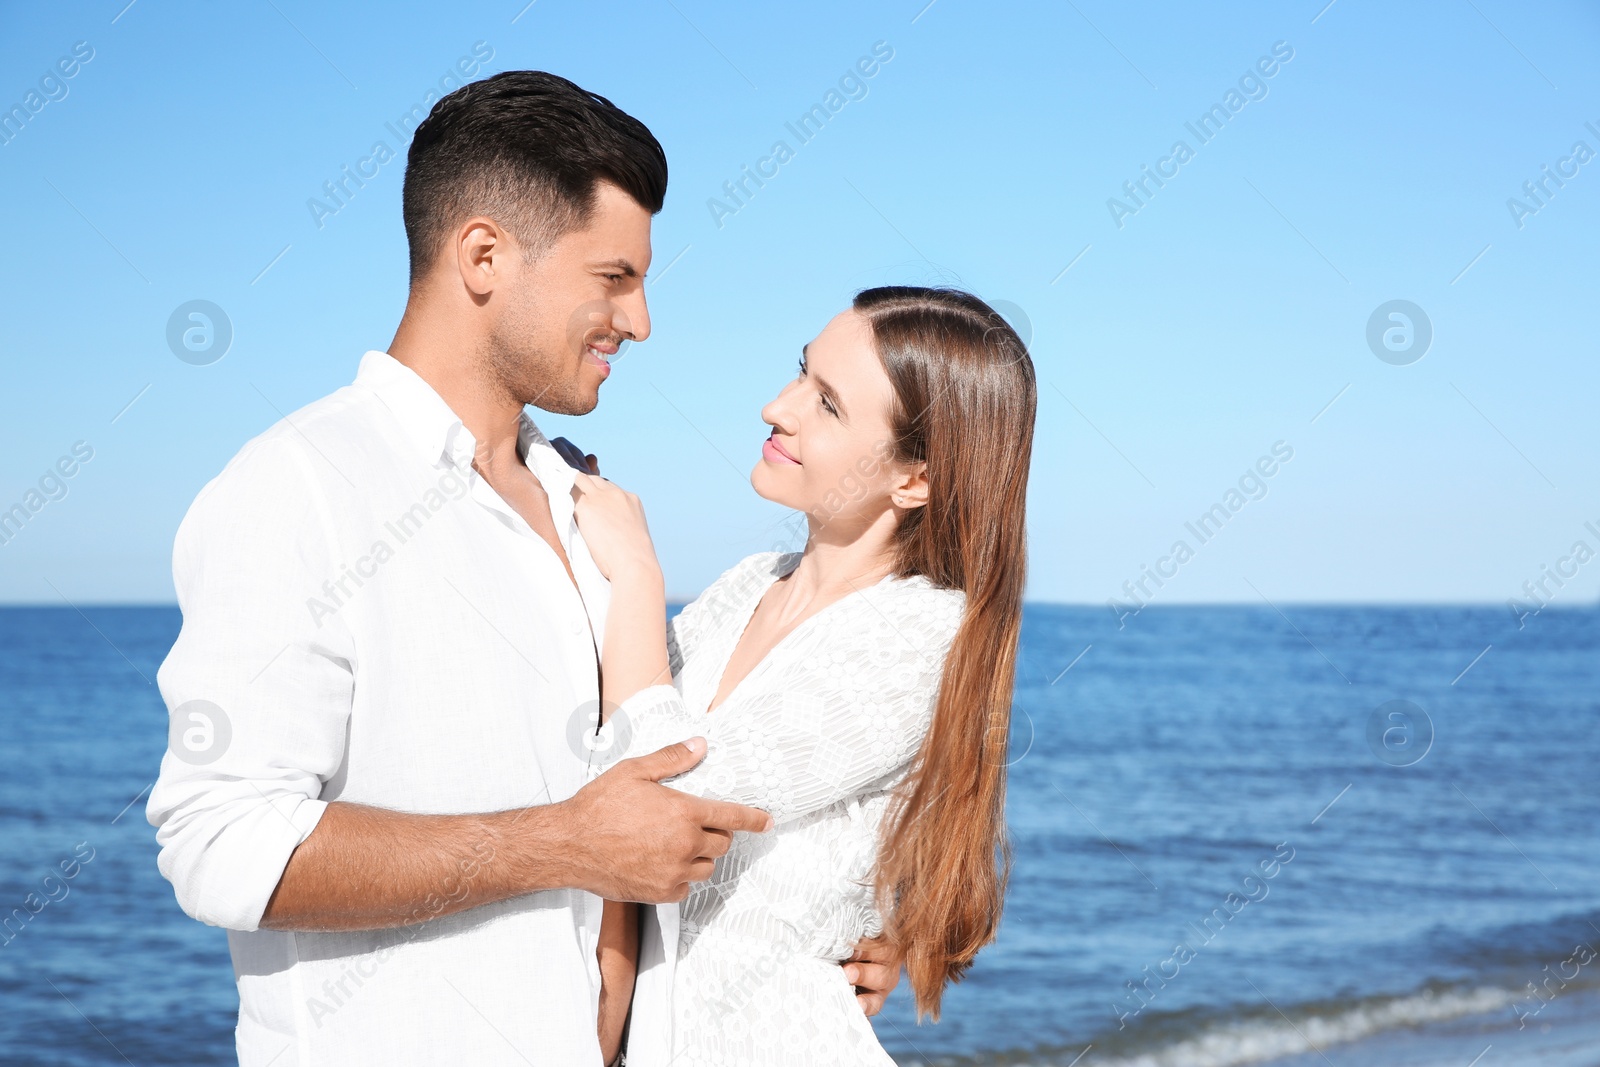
(817, 734)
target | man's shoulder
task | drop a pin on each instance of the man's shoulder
(309, 441)
(298, 459)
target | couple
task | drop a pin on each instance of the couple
(403, 606)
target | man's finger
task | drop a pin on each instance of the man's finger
(878, 977)
(715, 844)
(720, 815)
(874, 970)
(873, 950)
(668, 761)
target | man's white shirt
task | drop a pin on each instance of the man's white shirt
(364, 619)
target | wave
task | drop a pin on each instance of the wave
(1203, 1038)
(1313, 1027)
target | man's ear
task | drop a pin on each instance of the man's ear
(910, 488)
(481, 249)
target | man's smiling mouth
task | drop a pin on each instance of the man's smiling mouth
(600, 353)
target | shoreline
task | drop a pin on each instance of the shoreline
(1430, 1028)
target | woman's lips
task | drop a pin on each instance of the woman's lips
(773, 452)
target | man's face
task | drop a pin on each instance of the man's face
(567, 313)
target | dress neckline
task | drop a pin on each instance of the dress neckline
(741, 623)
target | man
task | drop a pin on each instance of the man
(376, 777)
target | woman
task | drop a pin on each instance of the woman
(859, 691)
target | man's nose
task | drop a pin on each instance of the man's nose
(633, 316)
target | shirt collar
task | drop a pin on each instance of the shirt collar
(546, 463)
(438, 433)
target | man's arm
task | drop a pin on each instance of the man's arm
(260, 684)
(618, 956)
(622, 836)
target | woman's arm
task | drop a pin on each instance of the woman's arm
(635, 651)
(612, 523)
(853, 714)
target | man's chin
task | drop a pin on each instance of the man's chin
(571, 406)
(579, 398)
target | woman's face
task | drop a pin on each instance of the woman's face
(830, 442)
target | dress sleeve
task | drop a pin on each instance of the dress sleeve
(837, 711)
(258, 686)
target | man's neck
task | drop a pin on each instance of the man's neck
(445, 355)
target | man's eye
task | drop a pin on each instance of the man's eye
(613, 278)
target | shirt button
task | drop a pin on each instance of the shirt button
(576, 627)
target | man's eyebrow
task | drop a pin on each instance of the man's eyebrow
(620, 266)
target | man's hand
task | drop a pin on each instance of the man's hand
(635, 839)
(874, 971)
(623, 836)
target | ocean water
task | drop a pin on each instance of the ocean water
(1352, 880)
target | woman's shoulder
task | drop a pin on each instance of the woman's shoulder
(918, 593)
(756, 570)
(733, 585)
(916, 609)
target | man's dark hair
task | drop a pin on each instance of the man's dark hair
(525, 148)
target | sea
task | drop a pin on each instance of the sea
(1320, 835)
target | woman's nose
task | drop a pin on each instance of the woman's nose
(777, 411)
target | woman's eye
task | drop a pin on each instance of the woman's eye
(827, 405)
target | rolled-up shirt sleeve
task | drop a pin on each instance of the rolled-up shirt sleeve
(258, 685)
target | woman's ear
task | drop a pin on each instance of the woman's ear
(910, 488)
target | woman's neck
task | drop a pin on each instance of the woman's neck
(832, 568)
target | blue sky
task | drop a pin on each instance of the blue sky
(1228, 313)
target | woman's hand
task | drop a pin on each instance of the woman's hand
(612, 522)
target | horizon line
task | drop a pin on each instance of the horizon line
(1589, 605)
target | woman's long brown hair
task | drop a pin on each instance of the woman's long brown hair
(964, 398)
